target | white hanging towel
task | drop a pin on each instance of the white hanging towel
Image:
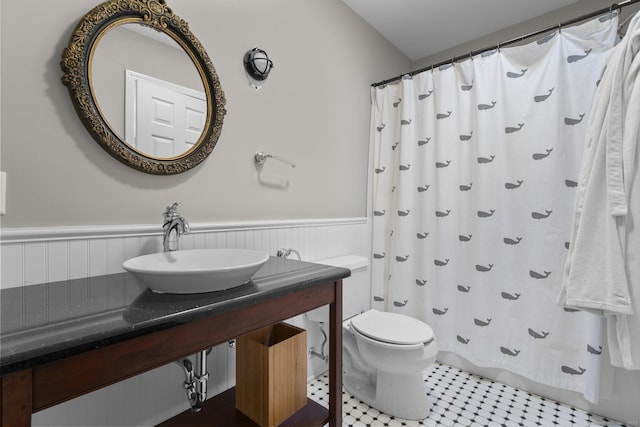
(602, 272)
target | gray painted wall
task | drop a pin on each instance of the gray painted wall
(314, 110)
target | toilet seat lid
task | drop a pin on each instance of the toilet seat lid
(392, 328)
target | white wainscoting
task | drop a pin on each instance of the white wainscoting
(31, 256)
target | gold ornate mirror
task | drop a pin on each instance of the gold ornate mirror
(143, 86)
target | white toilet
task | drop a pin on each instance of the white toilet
(384, 355)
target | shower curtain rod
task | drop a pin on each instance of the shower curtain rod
(610, 9)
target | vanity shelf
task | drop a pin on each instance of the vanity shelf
(44, 363)
(220, 411)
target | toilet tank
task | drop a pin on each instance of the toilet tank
(356, 292)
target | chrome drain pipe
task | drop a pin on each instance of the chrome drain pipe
(195, 383)
(321, 355)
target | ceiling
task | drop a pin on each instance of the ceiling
(421, 28)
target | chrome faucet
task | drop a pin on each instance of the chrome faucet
(174, 226)
(286, 253)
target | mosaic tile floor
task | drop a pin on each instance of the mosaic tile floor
(462, 399)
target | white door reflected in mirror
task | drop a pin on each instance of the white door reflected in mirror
(156, 101)
(162, 119)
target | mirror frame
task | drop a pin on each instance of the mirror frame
(76, 65)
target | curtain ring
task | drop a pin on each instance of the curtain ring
(498, 47)
(559, 27)
(471, 56)
(615, 6)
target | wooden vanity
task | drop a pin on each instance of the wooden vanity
(46, 362)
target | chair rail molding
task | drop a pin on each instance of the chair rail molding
(42, 234)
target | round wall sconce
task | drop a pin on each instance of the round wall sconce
(258, 66)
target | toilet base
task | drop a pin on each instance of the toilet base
(403, 396)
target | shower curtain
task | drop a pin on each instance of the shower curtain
(475, 171)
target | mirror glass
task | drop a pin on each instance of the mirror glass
(143, 86)
(148, 90)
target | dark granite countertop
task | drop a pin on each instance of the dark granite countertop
(47, 322)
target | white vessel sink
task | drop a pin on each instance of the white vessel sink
(196, 270)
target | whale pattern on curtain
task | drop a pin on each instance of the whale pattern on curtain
(475, 169)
